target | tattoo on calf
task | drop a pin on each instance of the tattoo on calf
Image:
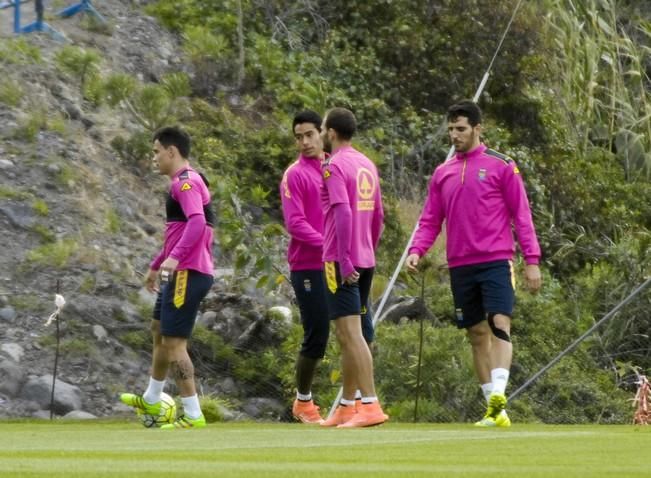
(181, 369)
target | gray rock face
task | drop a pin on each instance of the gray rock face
(12, 377)
(13, 350)
(207, 319)
(100, 333)
(20, 215)
(79, 415)
(259, 407)
(6, 164)
(7, 313)
(66, 397)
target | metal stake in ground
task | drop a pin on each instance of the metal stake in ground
(420, 346)
(59, 302)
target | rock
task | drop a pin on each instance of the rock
(13, 350)
(7, 313)
(41, 415)
(100, 333)
(71, 110)
(79, 415)
(53, 169)
(260, 407)
(282, 314)
(20, 215)
(207, 319)
(228, 386)
(66, 397)
(6, 164)
(12, 377)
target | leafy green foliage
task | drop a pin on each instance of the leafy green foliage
(81, 63)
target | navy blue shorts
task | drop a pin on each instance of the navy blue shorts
(178, 302)
(309, 288)
(480, 290)
(350, 299)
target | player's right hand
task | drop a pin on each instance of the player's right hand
(412, 262)
(151, 281)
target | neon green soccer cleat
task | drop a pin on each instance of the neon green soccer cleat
(136, 401)
(495, 414)
(496, 403)
(503, 420)
(186, 422)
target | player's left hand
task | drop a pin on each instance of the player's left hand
(168, 266)
(533, 277)
(352, 278)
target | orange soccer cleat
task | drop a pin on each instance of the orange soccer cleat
(369, 414)
(306, 412)
(342, 415)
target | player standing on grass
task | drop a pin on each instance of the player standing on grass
(185, 266)
(480, 195)
(353, 224)
(300, 194)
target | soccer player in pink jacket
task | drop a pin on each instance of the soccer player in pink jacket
(185, 268)
(352, 206)
(480, 196)
(300, 194)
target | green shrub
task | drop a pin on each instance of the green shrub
(45, 233)
(40, 207)
(11, 93)
(113, 221)
(76, 347)
(81, 63)
(55, 254)
(138, 340)
(31, 125)
(211, 409)
(19, 51)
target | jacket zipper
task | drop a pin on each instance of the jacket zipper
(463, 171)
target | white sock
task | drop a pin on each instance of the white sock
(154, 390)
(191, 407)
(304, 398)
(486, 389)
(499, 376)
(348, 403)
(367, 400)
(358, 395)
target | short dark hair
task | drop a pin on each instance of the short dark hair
(466, 108)
(342, 121)
(174, 136)
(308, 116)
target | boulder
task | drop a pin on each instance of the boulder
(260, 407)
(67, 397)
(13, 350)
(12, 377)
(7, 313)
(79, 415)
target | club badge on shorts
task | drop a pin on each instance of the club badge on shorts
(180, 288)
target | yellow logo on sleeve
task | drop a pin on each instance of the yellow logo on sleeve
(326, 174)
(516, 170)
(186, 187)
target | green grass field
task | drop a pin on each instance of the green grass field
(101, 449)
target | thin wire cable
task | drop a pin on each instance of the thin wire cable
(401, 262)
(585, 335)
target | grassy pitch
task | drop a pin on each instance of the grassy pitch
(120, 449)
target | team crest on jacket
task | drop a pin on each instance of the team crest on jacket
(482, 174)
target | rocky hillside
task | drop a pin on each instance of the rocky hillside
(77, 217)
